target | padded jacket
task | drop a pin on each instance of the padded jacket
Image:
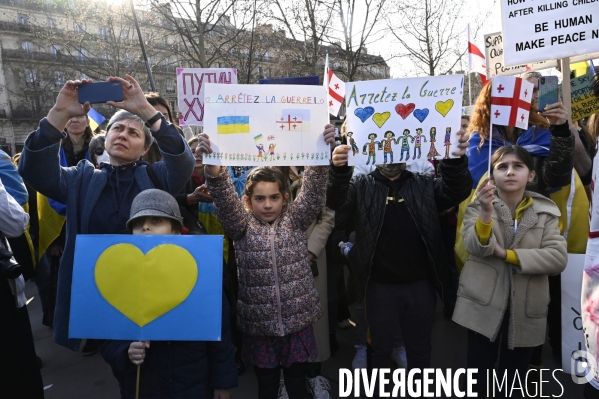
(277, 293)
(425, 196)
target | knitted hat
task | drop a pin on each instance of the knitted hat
(154, 202)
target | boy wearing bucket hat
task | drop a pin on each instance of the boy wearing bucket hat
(175, 369)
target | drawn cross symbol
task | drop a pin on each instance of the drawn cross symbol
(522, 117)
(294, 126)
(295, 118)
(330, 103)
(526, 93)
(282, 126)
(500, 88)
(336, 86)
(497, 113)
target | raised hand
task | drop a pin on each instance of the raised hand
(329, 135)
(341, 155)
(556, 113)
(486, 195)
(67, 104)
(134, 99)
(462, 144)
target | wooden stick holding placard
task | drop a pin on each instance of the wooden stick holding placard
(137, 382)
(566, 88)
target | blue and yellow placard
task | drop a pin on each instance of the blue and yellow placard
(147, 287)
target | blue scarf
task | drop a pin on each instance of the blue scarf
(478, 160)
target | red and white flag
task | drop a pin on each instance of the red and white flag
(476, 60)
(510, 101)
(336, 89)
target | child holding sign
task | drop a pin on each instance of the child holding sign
(174, 369)
(278, 301)
(514, 242)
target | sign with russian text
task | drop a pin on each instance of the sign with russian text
(584, 102)
(268, 125)
(540, 30)
(190, 90)
(403, 120)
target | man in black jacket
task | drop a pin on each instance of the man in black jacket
(398, 256)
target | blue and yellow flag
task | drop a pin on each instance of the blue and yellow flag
(571, 199)
(232, 124)
(95, 119)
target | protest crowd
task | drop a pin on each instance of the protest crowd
(484, 236)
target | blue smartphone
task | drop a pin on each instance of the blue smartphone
(548, 91)
(100, 92)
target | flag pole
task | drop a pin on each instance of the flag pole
(566, 88)
(469, 89)
(490, 138)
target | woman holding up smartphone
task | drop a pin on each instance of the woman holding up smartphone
(98, 201)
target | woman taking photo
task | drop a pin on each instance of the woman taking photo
(98, 201)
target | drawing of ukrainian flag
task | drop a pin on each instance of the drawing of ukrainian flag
(232, 124)
(258, 137)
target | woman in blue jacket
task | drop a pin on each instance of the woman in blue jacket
(98, 201)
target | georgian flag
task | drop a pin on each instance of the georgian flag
(510, 101)
(336, 89)
(476, 60)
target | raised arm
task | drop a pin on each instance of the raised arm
(227, 204)
(455, 182)
(557, 169)
(341, 195)
(312, 196)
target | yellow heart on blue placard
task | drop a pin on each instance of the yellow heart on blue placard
(144, 287)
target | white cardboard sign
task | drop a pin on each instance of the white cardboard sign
(539, 30)
(496, 64)
(403, 120)
(266, 125)
(190, 90)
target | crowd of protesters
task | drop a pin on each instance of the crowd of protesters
(490, 248)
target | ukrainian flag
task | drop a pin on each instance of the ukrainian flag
(232, 124)
(95, 119)
(571, 199)
(50, 222)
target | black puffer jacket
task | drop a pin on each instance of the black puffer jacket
(364, 198)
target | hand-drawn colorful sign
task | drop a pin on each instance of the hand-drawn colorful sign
(402, 117)
(584, 102)
(190, 90)
(273, 125)
(548, 29)
(136, 287)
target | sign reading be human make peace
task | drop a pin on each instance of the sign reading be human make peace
(540, 30)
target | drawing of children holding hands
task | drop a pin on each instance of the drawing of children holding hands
(432, 152)
(405, 145)
(371, 148)
(389, 139)
(447, 142)
(417, 146)
(352, 142)
(261, 151)
(271, 151)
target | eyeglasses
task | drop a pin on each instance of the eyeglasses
(99, 151)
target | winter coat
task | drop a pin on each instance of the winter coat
(277, 294)
(365, 199)
(489, 284)
(176, 369)
(79, 188)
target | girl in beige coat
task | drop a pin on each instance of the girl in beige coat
(514, 242)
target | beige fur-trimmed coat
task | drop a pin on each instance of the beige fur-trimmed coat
(489, 284)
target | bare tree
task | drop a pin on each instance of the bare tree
(208, 30)
(429, 33)
(360, 26)
(307, 22)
